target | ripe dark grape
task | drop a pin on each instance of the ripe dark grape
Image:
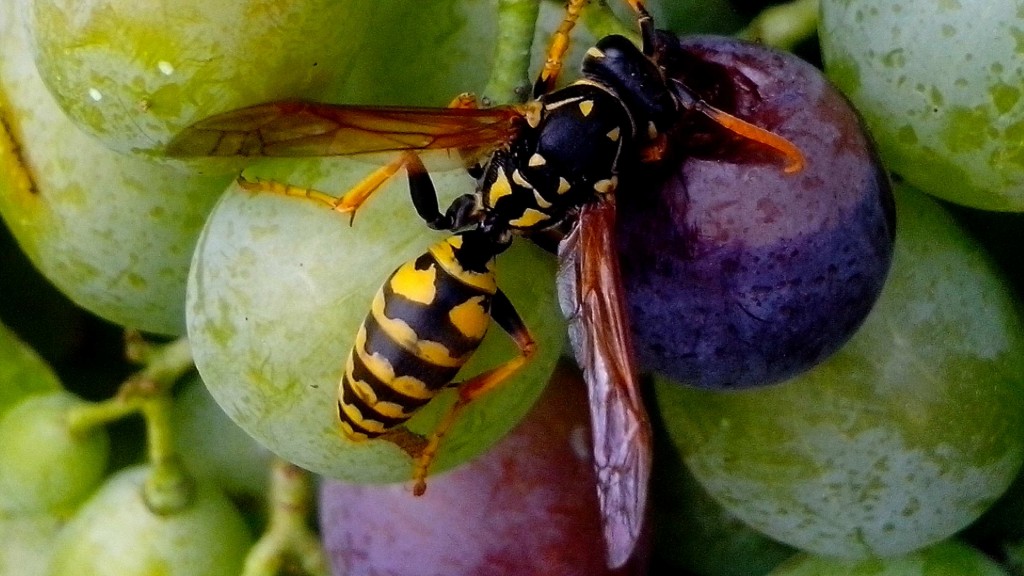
(528, 507)
(737, 273)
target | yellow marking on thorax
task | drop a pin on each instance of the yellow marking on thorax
(536, 160)
(517, 177)
(499, 188)
(594, 52)
(444, 253)
(563, 185)
(556, 105)
(404, 335)
(614, 134)
(414, 284)
(470, 318)
(529, 218)
(586, 107)
(541, 202)
(606, 186)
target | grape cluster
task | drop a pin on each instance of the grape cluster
(836, 363)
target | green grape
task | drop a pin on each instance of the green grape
(135, 73)
(44, 467)
(694, 534)
(27, 544)
(899, 440)
(944, 559)
(22, 371)
(114, 233)
(939, 84)
(278, 288)
(116, 534)
(212, 446)
(1015, 557)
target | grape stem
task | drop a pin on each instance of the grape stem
(601, 20)
(509, 81)
(785, 25)
(288, 536)
(168, 488)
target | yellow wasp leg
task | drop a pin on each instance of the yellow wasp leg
(556, 51)
(347, 204)
(354, 199)
(274, 187)
(469, 390)
(358, 195)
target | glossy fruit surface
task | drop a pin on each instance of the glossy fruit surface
(694, 534)
(737, 273)
(939, 85)
(278, 289)
(114, 233)
(116, 534)
(212, 446)
(900, 439)
(22, 371)
(527, 507)
(44, 466)
(134, 73)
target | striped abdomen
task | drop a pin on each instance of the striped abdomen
(425, 322)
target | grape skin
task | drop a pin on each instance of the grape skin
(738, 274)
(901, 438)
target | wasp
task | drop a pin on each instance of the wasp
(551, 163)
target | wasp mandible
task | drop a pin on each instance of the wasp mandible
(552, 162)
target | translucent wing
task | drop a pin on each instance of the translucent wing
(591, 297)
(296, 128)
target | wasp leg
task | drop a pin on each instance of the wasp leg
(556, 51)
(464, 101)
(470, 156)
(274, 187)
(410, 442)
(469, 390)
(347, 204)
(646, 24)
(365, 188)
(462, 211)
(354, 199)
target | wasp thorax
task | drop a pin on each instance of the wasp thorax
(618, 64)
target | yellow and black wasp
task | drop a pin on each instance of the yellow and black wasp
(553, 161)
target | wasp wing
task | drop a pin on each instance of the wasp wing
(296, 128)
(592, 299)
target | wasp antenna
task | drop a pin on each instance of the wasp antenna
(794, 157)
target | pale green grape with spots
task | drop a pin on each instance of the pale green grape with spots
(279, 287)
(941, 86)
(116, 534)
(45, 467)
(900, 439)
(135, 73)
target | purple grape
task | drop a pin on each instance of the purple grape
(738, 274)
(528, 507)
